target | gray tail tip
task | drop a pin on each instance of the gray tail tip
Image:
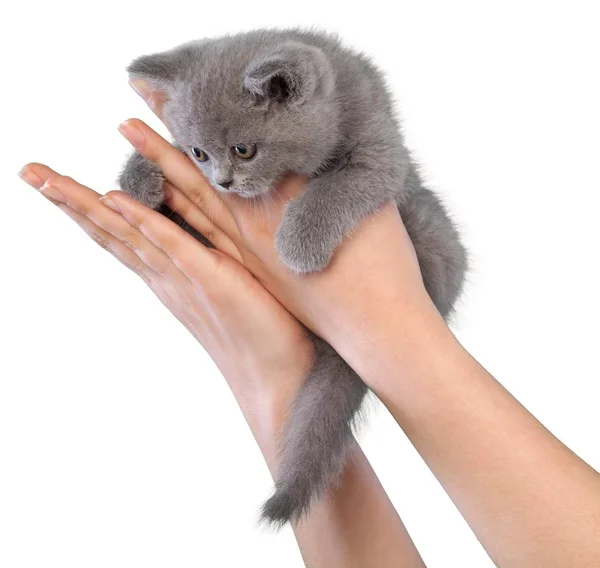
(280, 509)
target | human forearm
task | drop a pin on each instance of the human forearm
(529, 499)
(355, 525)
(370, 305)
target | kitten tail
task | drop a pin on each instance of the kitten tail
(317, 437)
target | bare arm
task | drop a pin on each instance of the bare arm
(261, 351)
(355, 525)
(530, 500)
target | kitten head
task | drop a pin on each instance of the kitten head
(245, 112)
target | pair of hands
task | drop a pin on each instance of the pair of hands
(535, 506)
(239, 302)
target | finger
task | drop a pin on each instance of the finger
(191, 257)
(36, 174)
(179, 170)
(181, 205)
(86, 202)
(108, 242)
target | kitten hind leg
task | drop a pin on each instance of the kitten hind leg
(442, 257)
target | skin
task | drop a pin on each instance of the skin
(259, 347)
(528, 498)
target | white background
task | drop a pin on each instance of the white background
(120, 444)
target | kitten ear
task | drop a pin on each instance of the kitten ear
(161, 71)
(292, 73)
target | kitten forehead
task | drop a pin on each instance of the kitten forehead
(210, 100)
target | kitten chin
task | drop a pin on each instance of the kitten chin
(252, 190)
(245, 193)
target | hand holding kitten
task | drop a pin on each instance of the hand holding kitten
(378, 256)
(259, 347)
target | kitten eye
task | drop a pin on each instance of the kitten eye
(200, 154)
(245, 151)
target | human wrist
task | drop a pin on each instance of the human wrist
(391, 340)
(264, 393)
(265, 413)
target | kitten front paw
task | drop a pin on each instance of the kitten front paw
(303, 242)
(142, 180)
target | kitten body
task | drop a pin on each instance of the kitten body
(306, 104)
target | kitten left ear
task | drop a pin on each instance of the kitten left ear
(292, 74)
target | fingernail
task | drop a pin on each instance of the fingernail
(30, 178)
(141, 87)
(110, 204)
(52, 192)
(133, 134)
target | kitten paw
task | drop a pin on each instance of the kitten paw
(142, 180)
(303, 243)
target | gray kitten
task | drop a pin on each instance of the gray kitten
(248, 109)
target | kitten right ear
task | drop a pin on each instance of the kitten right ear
(160, 70)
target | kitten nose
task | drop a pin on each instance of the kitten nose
(226, 184)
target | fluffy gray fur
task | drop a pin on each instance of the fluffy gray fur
(313, 107)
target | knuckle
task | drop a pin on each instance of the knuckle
(100, 240)
(134, 265)
(144, 276)
(171, 247)
(157, 262)
(60, 181)
(162, 266)
(136, 219)
(197, 194)
(129, 239)
(80, 206)
(55, 180)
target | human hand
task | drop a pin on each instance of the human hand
(529, 499)
(260, 348)
(375, 268)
